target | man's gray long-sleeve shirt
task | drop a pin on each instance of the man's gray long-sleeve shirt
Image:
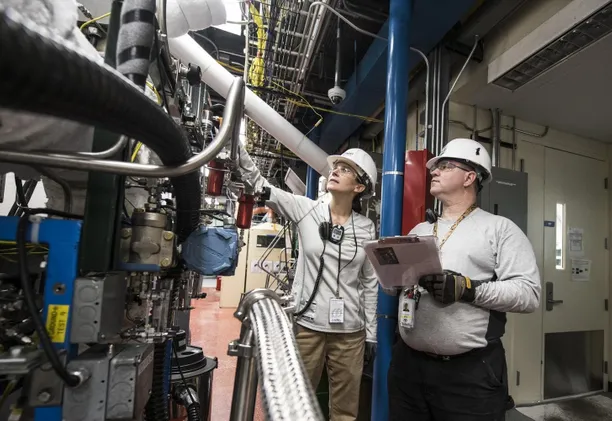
(481, 247)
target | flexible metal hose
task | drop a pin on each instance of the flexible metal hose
(53, 79)
(286, 389)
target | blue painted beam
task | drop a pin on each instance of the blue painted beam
(312, 183)
(365, 90)
(396, 128)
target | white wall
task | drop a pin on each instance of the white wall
(523, 339)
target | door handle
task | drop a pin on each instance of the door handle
(550, 301)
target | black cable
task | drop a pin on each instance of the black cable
(20, 194)
(29, 295)
(51, 175)
(185, 384)
(317, 282)
(162, 73)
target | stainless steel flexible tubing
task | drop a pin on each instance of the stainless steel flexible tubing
(286, 389)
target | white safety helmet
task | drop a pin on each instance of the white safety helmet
(470, 152)
(363, 163)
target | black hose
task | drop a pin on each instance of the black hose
(27, 190)
(193, 412)
(29, 296)
(157, 407)
(53, 79)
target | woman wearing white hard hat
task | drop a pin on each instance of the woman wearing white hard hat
(335, 288)
(450, 363)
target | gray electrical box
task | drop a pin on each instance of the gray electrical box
(506, 196)
(98, 308)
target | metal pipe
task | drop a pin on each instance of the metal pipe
(348, 22)
(245, 383)
(505, 127)
(230, 116)
(305, 53)
(474, 133)
(116, 148)
(396, 127)
(338, 49)
(496, 141)
(467, 60)
(514, 142)
(427, 122)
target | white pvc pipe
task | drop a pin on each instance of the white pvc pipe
(214, 75)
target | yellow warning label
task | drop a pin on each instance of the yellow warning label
(57, 322)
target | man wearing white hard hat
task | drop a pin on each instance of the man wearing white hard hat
(450, 363)
(335, 287)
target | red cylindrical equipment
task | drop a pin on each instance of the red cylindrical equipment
(417, 181)
(214, 184)
(245, 211)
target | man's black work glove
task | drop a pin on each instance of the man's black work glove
(370, 351)
(449, 287)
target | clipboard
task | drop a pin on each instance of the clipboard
(401, 261)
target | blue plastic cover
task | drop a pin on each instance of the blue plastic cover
(212, 251)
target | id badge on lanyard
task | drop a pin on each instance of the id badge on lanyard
(336, 311)
(409, 307)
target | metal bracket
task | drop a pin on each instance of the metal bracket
(237, 349)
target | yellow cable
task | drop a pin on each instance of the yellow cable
(136, 149)
(256, 71)
(83, 26)
(303, 99)
(327, 110)
(229, 66)
(154, 89)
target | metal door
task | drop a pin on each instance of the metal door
(575, 274)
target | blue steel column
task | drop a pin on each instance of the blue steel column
(394, 151)
(312, 177)
(312, 183)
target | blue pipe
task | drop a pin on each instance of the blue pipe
(396, 110)
(312, 183)
(312, 177)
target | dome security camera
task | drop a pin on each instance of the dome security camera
(336, 95)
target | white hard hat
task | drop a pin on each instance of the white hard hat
(469, 151)
(363, 163)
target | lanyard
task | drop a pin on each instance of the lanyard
(452, 229)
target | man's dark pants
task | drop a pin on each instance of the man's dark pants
(468, 387)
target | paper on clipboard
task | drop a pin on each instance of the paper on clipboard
(401, 261)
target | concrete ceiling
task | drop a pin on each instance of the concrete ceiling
(575, 96)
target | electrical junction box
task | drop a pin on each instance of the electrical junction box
(506, 195)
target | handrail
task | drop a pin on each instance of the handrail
(231, 117)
